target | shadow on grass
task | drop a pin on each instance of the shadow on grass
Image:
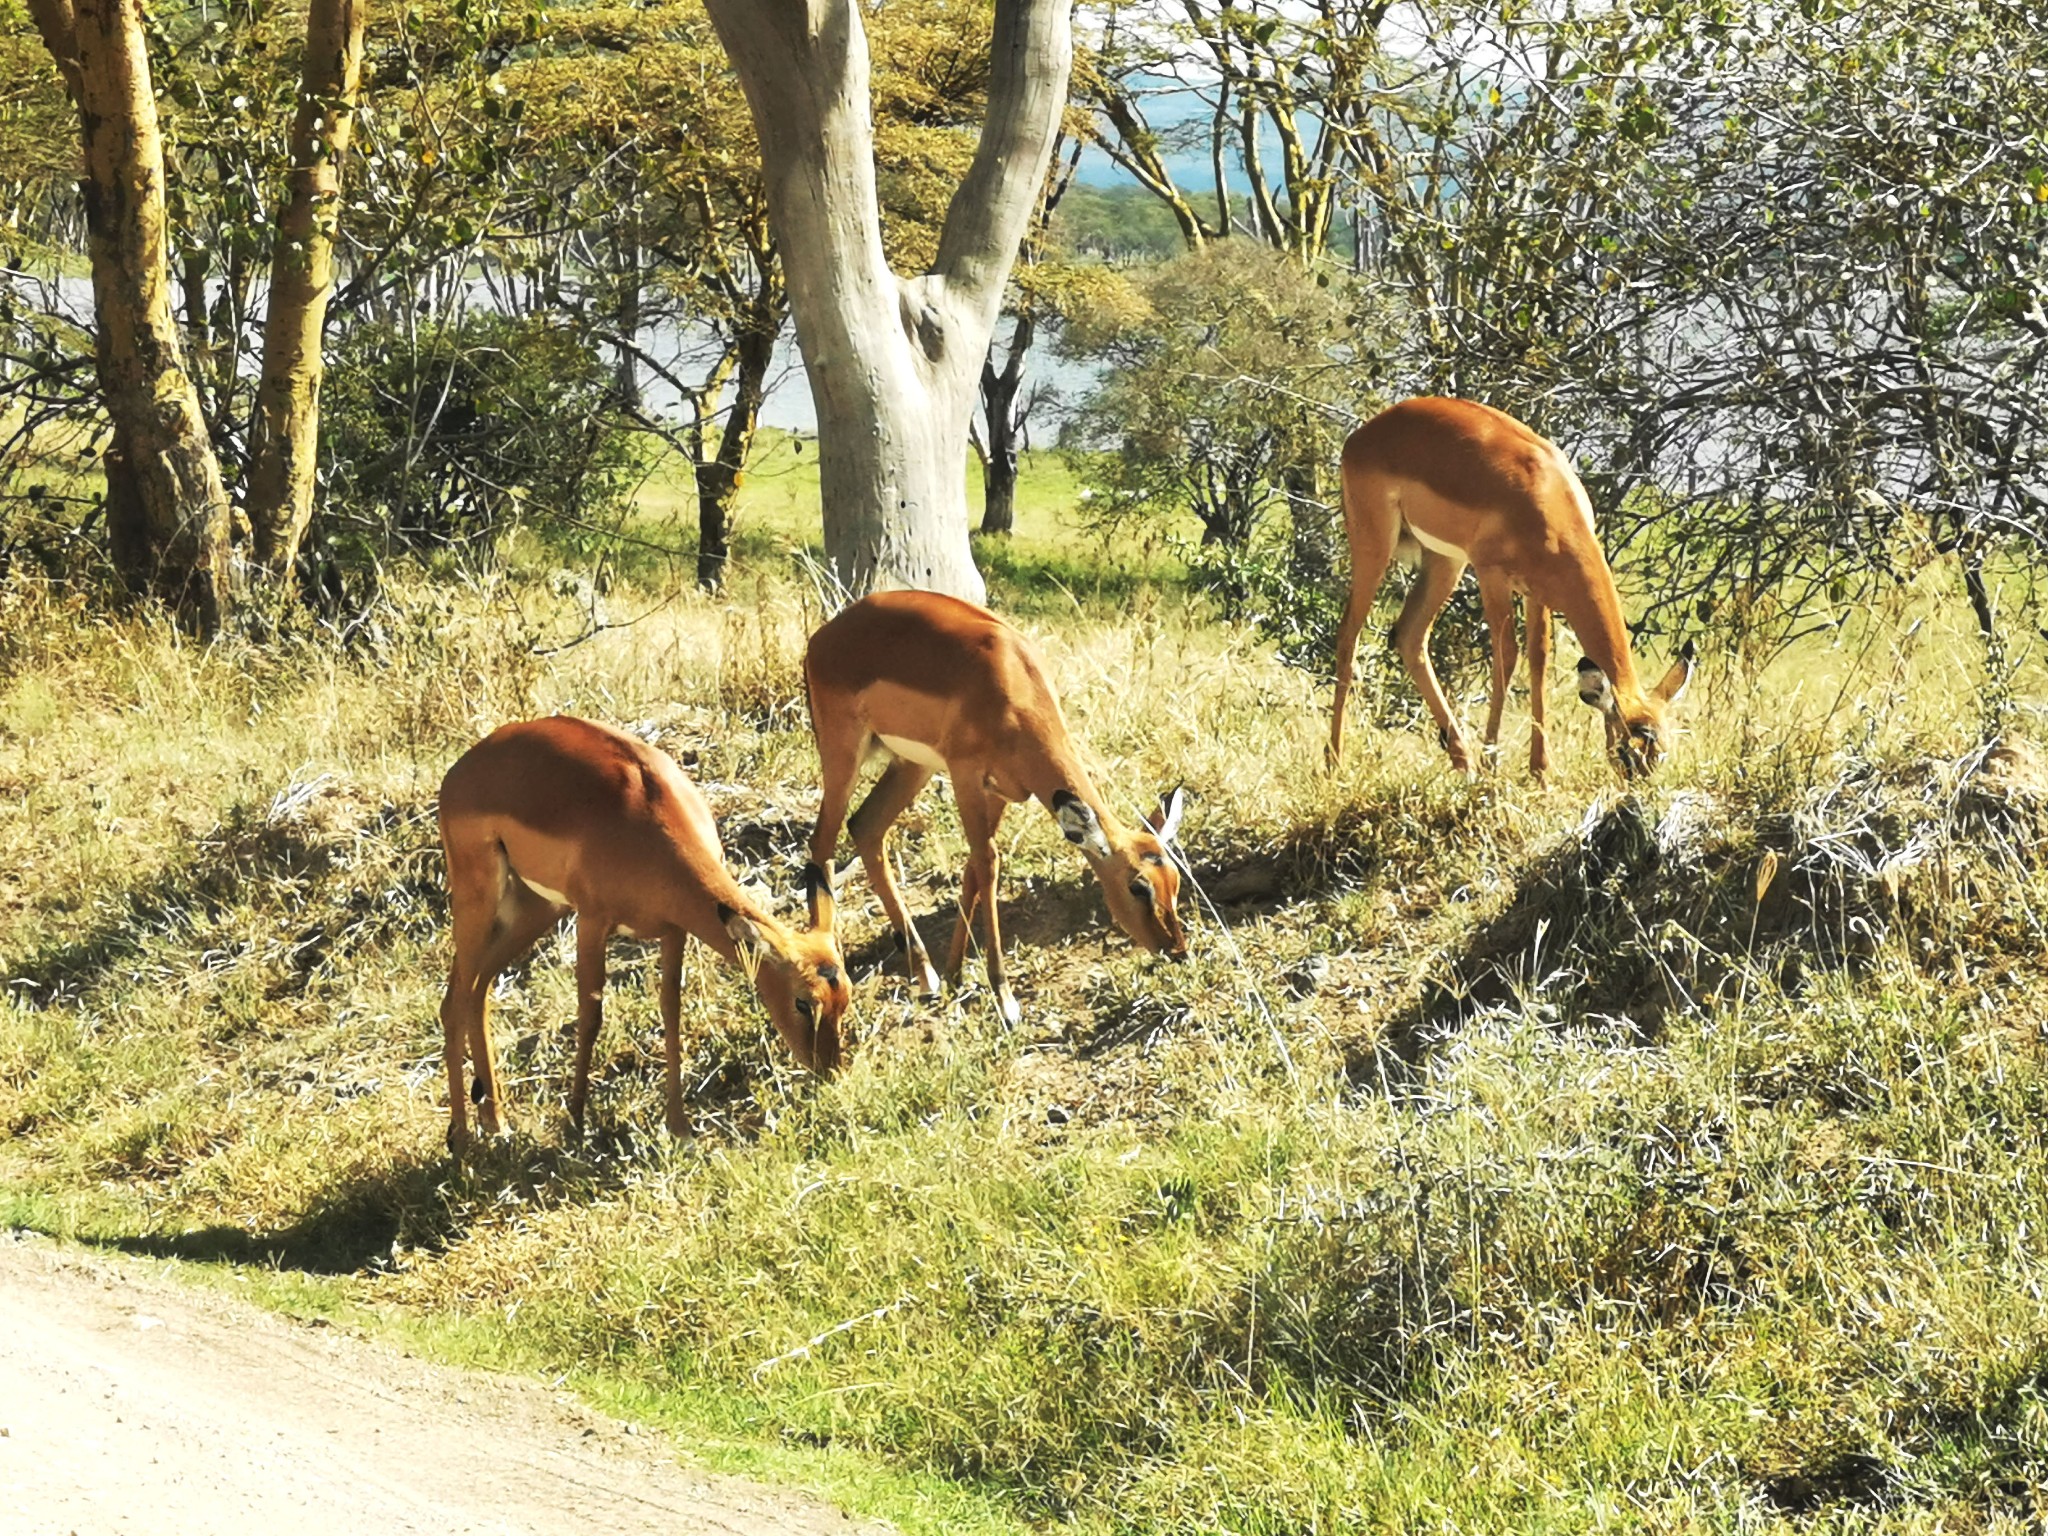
(1631, 919)
(176, 902)
(426, 1204)
(1041, 915)
(254, 859)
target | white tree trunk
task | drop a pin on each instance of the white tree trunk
(892, 361)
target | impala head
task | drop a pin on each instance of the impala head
(799, 973)
(1637, 730)
(1139, 880)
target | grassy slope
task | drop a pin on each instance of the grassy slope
(1724, 1212)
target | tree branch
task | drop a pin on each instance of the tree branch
(1030, 57)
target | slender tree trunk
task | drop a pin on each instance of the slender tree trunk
(167, 513)
(631, 261)
(999, 392)
(892, 361)
(285, 445)
(719, 479)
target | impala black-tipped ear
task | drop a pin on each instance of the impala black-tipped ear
(1674, 682)
(1166, 821)
(741, 928)
(1595, 691)
(1079, 823)
(818, 896)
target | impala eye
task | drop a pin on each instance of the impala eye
(1140, 889)
(806, 1009)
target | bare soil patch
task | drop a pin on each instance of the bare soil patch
(131, 1402)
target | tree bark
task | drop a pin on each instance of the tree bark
(632, 269)
(892, 361)
(285, 443)
(719, 478)
(999, 392)
(167, 511)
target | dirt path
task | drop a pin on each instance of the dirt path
(132, 1403)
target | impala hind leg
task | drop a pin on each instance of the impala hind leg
(1498, 599)
(1434, 584)
(1372, 529)
(899, 784)
(523, 915)
(494, 919)
(979, 817)
(842, 745)
(1536, 621)
(463, 997)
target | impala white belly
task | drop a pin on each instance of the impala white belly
(1429, 541)
(545, 894)
(916, 751)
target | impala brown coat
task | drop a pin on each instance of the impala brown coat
(941, 684)
(1459, 483)
(546, 817)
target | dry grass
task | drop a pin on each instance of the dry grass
(1509, 1156)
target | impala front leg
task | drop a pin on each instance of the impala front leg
(1497, 598)
(979, 814)
(672, 1032)
(970, 903)
(590, 938)
(986, 854)
(1536, 621)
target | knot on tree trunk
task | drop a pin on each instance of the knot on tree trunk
(925, 327)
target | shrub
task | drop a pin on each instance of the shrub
(451, 434)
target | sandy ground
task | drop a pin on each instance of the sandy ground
(132, 1403)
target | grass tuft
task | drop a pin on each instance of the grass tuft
(1507, 1156)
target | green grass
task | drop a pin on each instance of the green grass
(1056, 559)
(1600, 1183)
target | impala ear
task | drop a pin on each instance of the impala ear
(1675, 681)
(742, 930)
(818, 897)
(1079, 824)
(1595, 691)
(1165, 822)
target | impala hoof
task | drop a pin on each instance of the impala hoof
(1006, 1003)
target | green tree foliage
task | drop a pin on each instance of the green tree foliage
(1844, 214)
(450, 436)
(1772, 275)
(1221, 370)
(1115, 224)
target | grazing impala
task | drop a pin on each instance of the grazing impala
(939, 684)
(549, 816)
(1460, 483)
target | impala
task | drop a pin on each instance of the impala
(551, 816)
(1460, 483)
(938, 684)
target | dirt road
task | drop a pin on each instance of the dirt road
(131, 1403)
